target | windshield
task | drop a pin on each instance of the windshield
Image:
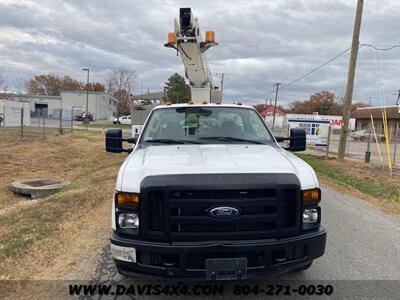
(206, 125)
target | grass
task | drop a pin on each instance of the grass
(104, 125)
(79, 158)
(367, 179)
(12, 135)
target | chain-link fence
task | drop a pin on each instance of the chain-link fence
(34, 128)
(358, 147)
(369, 148)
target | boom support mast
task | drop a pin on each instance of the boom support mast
(186, 40)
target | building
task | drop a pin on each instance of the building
(363, 118)
(14, 113)
(268, 110)
(100, 104)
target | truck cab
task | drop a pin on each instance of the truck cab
(207, 192)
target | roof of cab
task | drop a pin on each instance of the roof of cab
(202, 105)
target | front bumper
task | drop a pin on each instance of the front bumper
(187, 259)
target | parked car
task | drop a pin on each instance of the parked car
(84, 116)
(124, 120)
(362, 135)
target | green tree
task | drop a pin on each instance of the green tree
(176, 89)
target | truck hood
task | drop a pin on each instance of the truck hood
(211, 159)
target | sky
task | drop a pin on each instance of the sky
(260, 43)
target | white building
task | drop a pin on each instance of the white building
(12, 111)
(100, 104)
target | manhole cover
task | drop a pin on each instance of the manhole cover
(37, 188)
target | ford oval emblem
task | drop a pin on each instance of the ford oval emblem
(224, 212)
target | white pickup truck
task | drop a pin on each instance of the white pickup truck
(208, 193)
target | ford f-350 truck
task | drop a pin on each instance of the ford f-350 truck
(208, 193)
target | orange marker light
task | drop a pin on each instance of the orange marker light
(127, 199)
(312, 196)
(171, 38)
(210, 36)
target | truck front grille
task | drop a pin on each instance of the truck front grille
(156, 211)
(183, 214)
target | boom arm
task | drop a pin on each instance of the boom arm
(187, 41)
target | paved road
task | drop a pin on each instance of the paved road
(363, 246)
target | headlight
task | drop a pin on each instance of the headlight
(310, 216)
(311, 197)
(127, 220)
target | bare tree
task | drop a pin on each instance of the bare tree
(19, 84)
(119, 84)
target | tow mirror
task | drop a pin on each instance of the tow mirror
(114, 141)
(297, 140)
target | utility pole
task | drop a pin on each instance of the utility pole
(222, 81)
(276, 100)
(350, 81)
(222, 84)
(266, 105)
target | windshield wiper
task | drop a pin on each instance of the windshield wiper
(228, 139)
(171, 141)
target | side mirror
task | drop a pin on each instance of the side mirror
(297, 140)
(114, 141)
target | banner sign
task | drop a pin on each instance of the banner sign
(316, 130)
(335, 121)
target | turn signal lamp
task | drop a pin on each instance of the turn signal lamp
(127, 199)
(312, 196)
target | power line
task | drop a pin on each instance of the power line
(316, 69)
(305, 75)
(321, 66)
(379, 49)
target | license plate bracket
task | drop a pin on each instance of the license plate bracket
(226, 268)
